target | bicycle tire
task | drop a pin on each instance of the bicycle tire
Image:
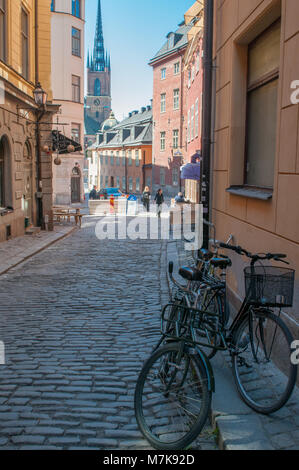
(154, 423)
(258, 383)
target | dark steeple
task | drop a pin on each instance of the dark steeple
(98, 62)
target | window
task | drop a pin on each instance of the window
(102, 159)
(124, 158)
(130, 157)
(137, 184)
(189, 79)
(162, 176)
(162, 141)
(262, 93)
(124, 183)
(101, 179)
(2, 178)
(196, 118)
(76, 42)
(163, 74)
(117, 160)
(130, 184)
(3, 30)
(175, 176)
(163, 102)
(197, 62)
(189, 126)
(112, 159)
(106, 181)
(175, 139)
(176, 99)
(76, 89)
(97, 87)
(106, 157)
(192, 122)
(193, 73)
(25, 43)
(76, 8)
(137, 160)
(177, 68)
(76, 132)
(118, 182)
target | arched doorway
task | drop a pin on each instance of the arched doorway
(28, 183)
(76, 185)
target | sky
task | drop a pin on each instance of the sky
(134, 31)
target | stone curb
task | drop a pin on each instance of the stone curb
(39, 250)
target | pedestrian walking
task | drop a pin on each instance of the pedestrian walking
(93, 193)
(146, 197)
(159, 199)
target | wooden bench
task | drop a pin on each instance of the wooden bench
(66, 214)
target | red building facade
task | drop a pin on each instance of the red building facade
(169, 109)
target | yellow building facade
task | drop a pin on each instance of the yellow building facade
(25, 60)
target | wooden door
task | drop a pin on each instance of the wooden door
(75, 189)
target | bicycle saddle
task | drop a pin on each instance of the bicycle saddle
(205, 254)
(221, 263)
(191, 274)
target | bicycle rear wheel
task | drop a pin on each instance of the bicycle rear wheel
(262, 368)
(172, 399)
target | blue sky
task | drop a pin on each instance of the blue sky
(134, 30)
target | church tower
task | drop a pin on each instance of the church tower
(98, 99)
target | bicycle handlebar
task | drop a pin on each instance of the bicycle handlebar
(241, 251)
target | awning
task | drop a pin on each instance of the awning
(191, 171)
(60, 142)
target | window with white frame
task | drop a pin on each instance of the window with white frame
(192, 122)
(130, 184)
(175, 138)
(163, 102)
(137, 159)
(118, 182)
(196, 118)
(197, 62)
(137, 184)
(130, 157)
(189, 126)
(176, 99)
(112, 158)
(176, 68)
(163, 73)
(117, 158)
(124, 183)
(193, 72)
(76, 42)
(162, 140)
(189, 78)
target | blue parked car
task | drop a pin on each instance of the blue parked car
(107, 193)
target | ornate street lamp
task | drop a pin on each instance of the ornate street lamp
(40, 96)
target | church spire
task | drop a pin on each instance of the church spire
(99, 51)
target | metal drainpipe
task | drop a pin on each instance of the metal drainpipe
(207, 114)
(38, 118)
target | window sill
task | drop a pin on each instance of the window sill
(5, 211)
(251, 192)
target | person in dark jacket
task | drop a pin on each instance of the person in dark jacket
(93, 193)
(146, 197)
(159, 199)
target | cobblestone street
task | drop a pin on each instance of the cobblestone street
(77, 321)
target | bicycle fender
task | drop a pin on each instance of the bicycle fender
(208, 368)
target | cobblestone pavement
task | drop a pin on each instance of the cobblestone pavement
(277, 431)
(77, 321)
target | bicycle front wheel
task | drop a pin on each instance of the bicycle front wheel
(263, 372)
(172, 399)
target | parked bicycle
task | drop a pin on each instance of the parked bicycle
(174, 390)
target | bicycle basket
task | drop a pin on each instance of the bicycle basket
(271, 286)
